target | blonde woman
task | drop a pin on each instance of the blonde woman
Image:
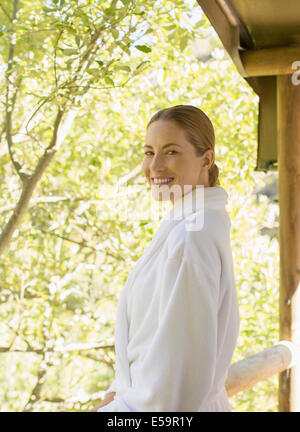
(177, 320)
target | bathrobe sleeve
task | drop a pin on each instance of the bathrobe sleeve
(112, 388)
(176, 372)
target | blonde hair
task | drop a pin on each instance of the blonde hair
(198, 129)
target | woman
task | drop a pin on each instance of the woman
(177, 320)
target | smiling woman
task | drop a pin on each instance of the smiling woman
(177, 319)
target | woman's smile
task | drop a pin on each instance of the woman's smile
(158, 181)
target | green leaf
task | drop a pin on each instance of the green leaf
(69, 28)
(124, 68)
(100, 62)
(46, 9)
(149, 30)
(5, 159)
(127, 40)
(113, 61)
(108, 80)
(77, 40)
(143, 48)
(69, 51)
(115, 33)
(139, 13)
(93, 71)
(143, 63)
(183, 42)
(123, 47)
(110, 11)
(170, 27)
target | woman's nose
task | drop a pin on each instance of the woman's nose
(157, 163)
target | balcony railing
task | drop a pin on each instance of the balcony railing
(258, 367)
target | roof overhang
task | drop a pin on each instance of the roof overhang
(263, 39)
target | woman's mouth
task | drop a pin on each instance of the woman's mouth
(161, 181)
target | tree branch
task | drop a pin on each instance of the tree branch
(68, 348)
(82, 244)
(36, 391)
(29, 186)
(47, 200)
(48, 99)
(86, 58)
(10, 101)
(55, 54)
(6, 13)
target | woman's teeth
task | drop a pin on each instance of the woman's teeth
(162, 181)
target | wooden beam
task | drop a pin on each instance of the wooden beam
(259, 367)
(270, 61)
(288, 123)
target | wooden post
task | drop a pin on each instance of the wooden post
(288, 116)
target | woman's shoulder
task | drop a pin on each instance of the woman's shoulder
(207, 233)
(200, 231)
(188, 229)
(211, 223)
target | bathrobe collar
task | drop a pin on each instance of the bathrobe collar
(196, 200)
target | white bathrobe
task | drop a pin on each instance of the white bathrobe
(177, 320)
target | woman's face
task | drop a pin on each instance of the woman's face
(169, 156)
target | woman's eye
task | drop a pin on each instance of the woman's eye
(170, 151)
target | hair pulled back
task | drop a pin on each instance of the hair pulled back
(198, 128)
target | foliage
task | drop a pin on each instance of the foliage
(70, 255)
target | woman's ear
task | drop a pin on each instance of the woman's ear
(208, 159)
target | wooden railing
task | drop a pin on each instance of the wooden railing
(246, 373)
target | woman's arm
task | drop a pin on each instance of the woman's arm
(109, 397)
